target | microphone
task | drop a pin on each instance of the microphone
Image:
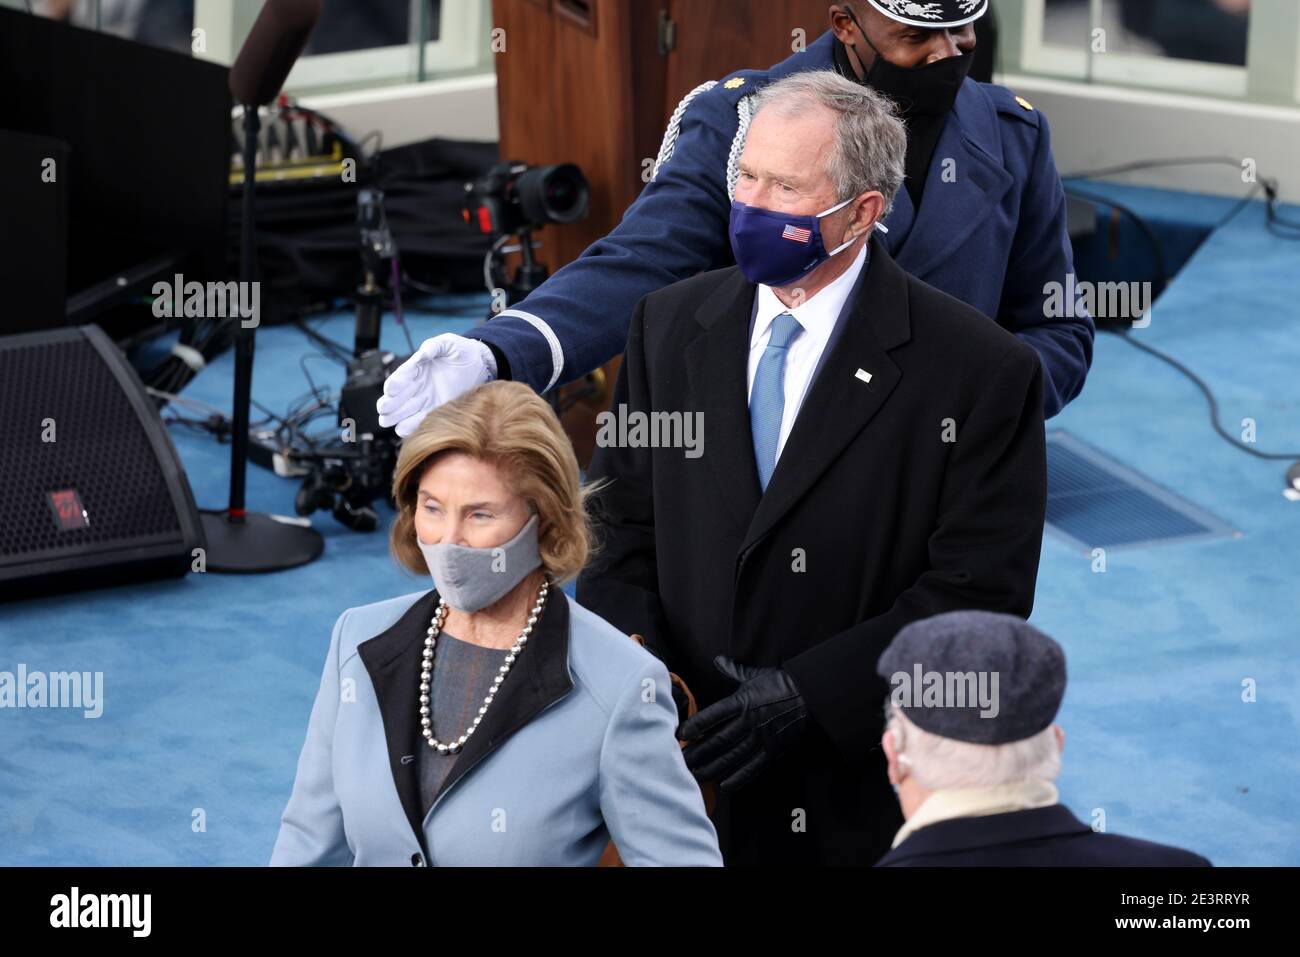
(273, 45)
(240, 540)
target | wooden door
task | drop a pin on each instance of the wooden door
(715, 37)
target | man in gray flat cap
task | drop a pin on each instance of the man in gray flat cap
(973, 752)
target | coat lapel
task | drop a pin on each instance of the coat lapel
(539, 678)
(716, 364)
(840, 403)
(951, 211)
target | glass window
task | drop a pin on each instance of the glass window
(356, 43)
(367, 24)
(1208, 31)
(1067, 23)
(1190, 46)
(159, 23)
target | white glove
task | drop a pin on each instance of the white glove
(441, 369)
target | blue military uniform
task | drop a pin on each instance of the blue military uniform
(991, 231)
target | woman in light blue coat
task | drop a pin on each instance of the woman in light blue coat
(491, 721)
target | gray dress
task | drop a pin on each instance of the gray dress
(462, 674)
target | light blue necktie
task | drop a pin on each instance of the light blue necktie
(767, 398)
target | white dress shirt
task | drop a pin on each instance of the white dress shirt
(817, 315)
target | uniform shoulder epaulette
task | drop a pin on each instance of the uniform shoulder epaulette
(740, 83)
(730, 90)
(1010, 104)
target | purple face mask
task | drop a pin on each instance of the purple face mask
(775, 248)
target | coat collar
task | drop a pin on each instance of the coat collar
(819, 55)
(970, 833)
(538, 679)
(837, 407)
(966, 181)
(949, 803)
(976, 117)
(971, 139)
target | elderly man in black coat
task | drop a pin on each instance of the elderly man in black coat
(973, 752)
(862, 451)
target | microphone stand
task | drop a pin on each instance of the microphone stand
(239, 541)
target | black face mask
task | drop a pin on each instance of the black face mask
(921, 90)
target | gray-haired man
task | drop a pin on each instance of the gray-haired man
(873, 453)
(974, 752)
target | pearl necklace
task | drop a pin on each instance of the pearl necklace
(435, 626)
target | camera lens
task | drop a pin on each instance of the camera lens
(552, 194)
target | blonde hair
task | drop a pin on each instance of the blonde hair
(510, 426)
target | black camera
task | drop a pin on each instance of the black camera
(347, 476)
(514, 196)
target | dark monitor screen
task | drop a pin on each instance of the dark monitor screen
(148, 138)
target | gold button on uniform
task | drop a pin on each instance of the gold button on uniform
(1025, 103)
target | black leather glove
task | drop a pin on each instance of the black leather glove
(741, 735)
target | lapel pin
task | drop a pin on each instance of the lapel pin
(864, 375)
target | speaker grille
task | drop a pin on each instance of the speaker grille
(100, 450)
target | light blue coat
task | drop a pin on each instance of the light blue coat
(577, 747)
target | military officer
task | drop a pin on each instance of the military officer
(982, 216)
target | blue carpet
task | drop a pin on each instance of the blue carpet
(1120, 251)
(1159, 739)
(209, 680)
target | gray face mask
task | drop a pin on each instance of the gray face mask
(473, 578)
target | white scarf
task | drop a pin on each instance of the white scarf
(975, 802)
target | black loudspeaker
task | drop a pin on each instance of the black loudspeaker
(93, 492)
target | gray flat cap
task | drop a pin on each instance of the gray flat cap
(975, 676)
